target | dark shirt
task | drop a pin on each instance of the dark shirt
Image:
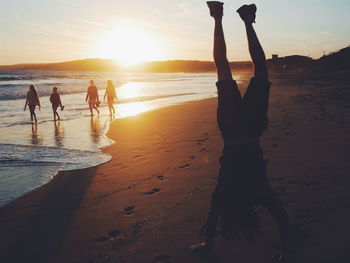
(92, 93)
(55, 100)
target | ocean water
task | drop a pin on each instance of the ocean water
(32, 154)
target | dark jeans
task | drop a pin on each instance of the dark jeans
(32, 109)
(245, 116)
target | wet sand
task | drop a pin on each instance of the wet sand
(150, 202)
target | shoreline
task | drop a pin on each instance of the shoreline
(102, 133)
(149, 203)
(100, 150)
(77, 132)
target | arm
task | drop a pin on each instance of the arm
(87, 94)
(25, 104)
(59, 99)
(256, 52)
(104, 97)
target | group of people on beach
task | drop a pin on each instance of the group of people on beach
(92, 98)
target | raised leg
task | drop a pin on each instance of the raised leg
(220, 57)
(229, 97)
(247, 13)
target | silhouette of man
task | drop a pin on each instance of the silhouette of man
(242, 182)
(92, 97)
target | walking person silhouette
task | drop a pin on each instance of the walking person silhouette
(92, 98)
(32, 100)
(242, 182)
(111, 96)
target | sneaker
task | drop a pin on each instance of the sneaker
(216, 8)
(247, 13)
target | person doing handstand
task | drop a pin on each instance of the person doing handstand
(242, 184)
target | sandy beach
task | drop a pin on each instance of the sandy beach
(149, 203)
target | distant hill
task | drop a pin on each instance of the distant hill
(109, 65)
(336, 61)
(76, 65)
(290, 64)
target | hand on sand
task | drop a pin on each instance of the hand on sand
(216, 8)
(201, 248)
(247, 13)
(279, 256)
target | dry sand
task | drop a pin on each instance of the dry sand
(149, 203)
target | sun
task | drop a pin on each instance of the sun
(129, 46)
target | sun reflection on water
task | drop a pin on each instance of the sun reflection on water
(131, 109)
(130, 90)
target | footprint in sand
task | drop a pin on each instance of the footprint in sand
(205, 150)
(161, 177)
(129, 210)
(185, 165)
(114, 233)
(202, 139)
(103, 239)
(111, 234)
(151, 192)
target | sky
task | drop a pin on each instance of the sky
(34, 31)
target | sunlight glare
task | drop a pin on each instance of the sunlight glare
(130, 90)
(131, 109)
(129, 46)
